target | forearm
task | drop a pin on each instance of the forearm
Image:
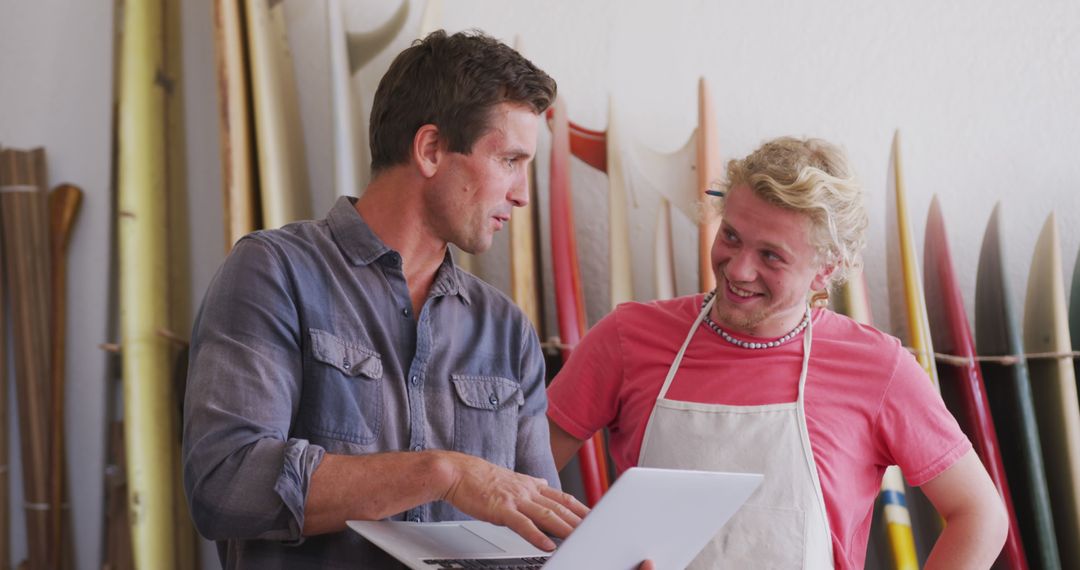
(976, 523)
(563, 445)
(968, 541)
(373, 487)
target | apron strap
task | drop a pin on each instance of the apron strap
(808, 337)
(678, 358)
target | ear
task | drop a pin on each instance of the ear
(427, 151)
(821, 279)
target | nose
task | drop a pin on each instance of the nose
(740, 266)
(519, 191)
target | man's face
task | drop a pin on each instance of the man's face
(474, 193)
(765, 266)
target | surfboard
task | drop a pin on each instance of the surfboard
(907, 308)
(600, 150)
(178, 238)
(283, 178)
(349, 52)
(962, 385)
(1008, 389)
(892, 520)
(525, 256)
(709, 171)
(142, 221)
(672, 177)
(569, 302)
(663, 253)
(234, 123)
(5, 461)
(1053, 385)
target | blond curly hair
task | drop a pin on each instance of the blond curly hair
(813, 177)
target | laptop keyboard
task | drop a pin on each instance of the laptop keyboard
(524, 563)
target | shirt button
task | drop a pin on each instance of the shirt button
(417, 519)
(345, 363)
(418, 447)
(493, 399)
(406, 311)
(415, 380)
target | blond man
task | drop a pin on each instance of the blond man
(750, 377)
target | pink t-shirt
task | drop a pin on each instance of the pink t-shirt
(868, 402)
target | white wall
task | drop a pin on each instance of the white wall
(984, 93)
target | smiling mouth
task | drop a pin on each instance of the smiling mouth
(743, 293)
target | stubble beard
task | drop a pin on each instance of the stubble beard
(740, 321)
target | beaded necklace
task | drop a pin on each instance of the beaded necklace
(753, 345)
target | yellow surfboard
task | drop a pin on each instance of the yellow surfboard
(910, 324)
(151, 423)
(1053, 386)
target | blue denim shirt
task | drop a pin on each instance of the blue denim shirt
(306, 343)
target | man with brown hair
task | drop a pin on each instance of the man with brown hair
(346, 369)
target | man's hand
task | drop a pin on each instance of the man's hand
(526, 505)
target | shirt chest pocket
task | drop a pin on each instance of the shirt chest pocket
(486, 417)
(343, 397)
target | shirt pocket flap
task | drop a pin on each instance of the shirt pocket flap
(486, 392)
(351, 359)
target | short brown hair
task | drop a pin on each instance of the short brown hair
(452, 82)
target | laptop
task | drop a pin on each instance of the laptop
(666, 515)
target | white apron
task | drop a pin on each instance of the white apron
(783, 524)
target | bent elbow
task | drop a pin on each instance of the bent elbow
(998, 522)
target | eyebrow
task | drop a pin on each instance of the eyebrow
(517, 152)
(785, 252)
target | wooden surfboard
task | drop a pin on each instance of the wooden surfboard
(25, 225)
(349, 52)
(283, 177)
(962, 385)
(525, 268)
(143, 218)
(235, 126)
(569, 302)
(892, 521)
(909, 322)
(1053, 385)
(997, 333)
(709, 170)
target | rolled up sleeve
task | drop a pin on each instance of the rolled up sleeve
(245, 477)
(533, 455)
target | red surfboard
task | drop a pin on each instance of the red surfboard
(569, 302)
(962, 385)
